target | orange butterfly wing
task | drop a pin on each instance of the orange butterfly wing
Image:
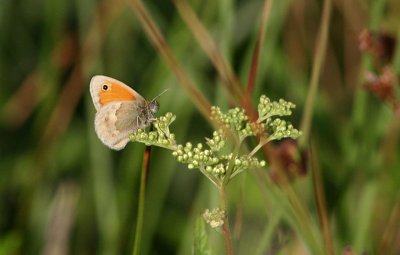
(115, 92)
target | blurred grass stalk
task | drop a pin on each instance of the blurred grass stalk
(319, 193)
(319, 57)
(257, 49)
(230, 81)
(158, 40)
(62, 218)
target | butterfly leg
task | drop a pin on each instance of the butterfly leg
(137, 123)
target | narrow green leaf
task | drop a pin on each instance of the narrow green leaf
(201, 244)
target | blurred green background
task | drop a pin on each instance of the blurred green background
(63, 192)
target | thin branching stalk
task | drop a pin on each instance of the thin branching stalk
(210, 177)
(263, 141)
(142, 198)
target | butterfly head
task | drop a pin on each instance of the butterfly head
(154, 106)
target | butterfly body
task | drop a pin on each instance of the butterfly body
(121, 111)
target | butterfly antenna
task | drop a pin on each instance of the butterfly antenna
(154, 99)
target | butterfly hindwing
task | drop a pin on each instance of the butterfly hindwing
(114, 124)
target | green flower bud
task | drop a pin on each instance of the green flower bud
(238, 162)
(151, 137)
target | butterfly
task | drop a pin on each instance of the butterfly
(121, 111)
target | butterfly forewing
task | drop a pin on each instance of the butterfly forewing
(117, 91)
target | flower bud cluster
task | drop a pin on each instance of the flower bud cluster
(246, 161)
(195, 157)
(217, 141)
(280, 129)
(268, 108)
(218, 170)
(277, 128)
(233, 119)
(215, 218)
(161, 136)
(162, 123)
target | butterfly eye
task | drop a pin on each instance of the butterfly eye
(154, 106)
(105, 87)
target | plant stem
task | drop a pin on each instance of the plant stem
(225, 227)
(142, 197)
